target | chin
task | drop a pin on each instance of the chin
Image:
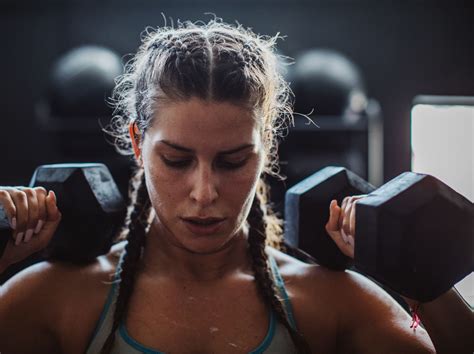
(209, 243)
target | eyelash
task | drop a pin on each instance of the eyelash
(182, 164)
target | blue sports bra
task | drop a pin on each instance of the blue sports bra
(277, 340)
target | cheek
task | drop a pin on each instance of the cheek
(242, 186)
(164, 187)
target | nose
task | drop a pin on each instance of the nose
(204, 186)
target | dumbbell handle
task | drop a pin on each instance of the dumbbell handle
(91, 205)
(5, 229)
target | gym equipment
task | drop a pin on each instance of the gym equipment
(80, 82)
(307, 212)
(73, 109)
(92, 209)
(328, 82)
(414, 234)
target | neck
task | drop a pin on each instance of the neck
(162, 257)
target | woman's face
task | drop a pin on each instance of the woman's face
(202, 161)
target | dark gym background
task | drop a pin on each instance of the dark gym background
(403, 48)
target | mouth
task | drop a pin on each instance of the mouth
(203, 226)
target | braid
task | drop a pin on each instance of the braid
(265, 283)
(136, 241)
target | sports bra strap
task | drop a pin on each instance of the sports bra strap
(284, 295)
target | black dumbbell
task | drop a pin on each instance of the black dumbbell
(307, 212)
(414, 234)
(92, 210)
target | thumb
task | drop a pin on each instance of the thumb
(334, 211)
(332, 228)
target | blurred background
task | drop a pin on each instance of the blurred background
(359, 64)
(400, 50)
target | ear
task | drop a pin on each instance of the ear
(135, 137)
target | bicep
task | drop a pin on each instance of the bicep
(24, 308)
(373, 322)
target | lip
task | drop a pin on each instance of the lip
(204, 230)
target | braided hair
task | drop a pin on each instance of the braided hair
(137, 227)
(214, 62)
(257, 241)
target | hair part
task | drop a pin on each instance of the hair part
(212, 61)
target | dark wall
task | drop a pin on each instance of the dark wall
(404, 48)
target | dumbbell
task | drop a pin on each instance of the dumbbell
(92, 210)
(414, 234)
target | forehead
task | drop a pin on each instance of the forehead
(196, 122)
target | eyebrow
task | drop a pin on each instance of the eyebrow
(189, 150)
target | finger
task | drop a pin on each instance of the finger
(332, 225)
(352, 219)
(351, 242)
(42, 213)
(344, 235)
(51, 223)
(52, 211)
(32, 213)
(21, 202)
(9, 207)
(334, 232)
(346, 220)
(343, 216)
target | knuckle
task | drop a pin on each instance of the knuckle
(20, 194)
(28, 192)
(40, 190)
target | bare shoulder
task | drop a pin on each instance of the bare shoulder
(43, 302)
(309, 289)
(303, 279)
(311, 282)
(349, 308)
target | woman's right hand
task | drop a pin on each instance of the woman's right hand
(33, 216)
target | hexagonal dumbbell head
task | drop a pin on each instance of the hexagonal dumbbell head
(415, 234)
(307, 212)
(91, 205)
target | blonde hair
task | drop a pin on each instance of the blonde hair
(211, 61)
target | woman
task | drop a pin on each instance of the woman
(200, 107)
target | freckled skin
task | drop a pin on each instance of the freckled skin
(204, 188)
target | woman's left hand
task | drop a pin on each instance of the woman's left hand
(341, 223)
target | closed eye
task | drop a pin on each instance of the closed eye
(177, 163)
(231, 165)
(222, 163)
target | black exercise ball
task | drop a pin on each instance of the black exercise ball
(81, 81)
(326, 82)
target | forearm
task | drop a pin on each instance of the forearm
(449, 321)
